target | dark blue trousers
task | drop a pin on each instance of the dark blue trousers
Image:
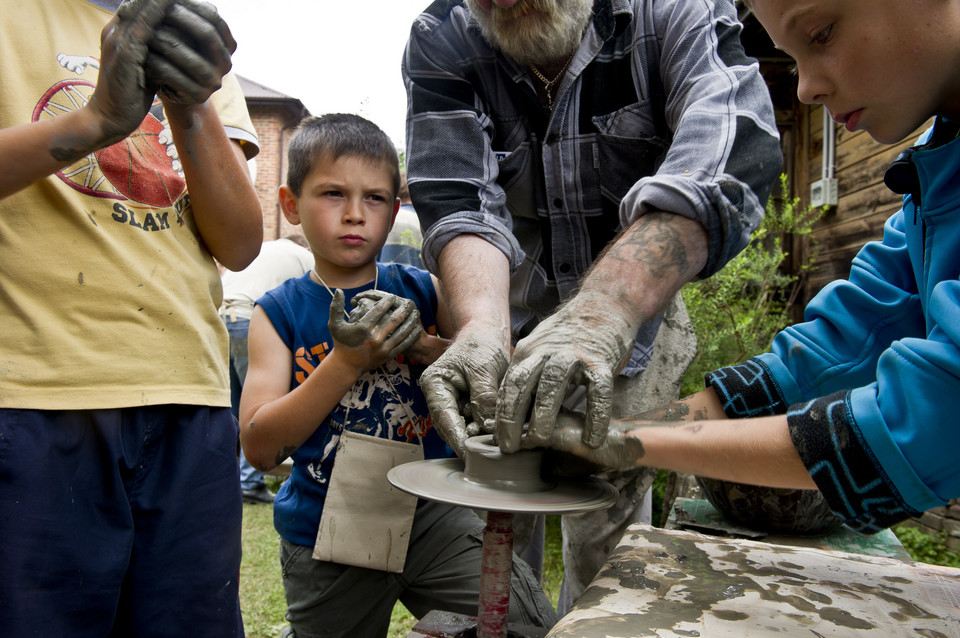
(120, 523)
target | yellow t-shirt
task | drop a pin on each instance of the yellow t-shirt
(108, 297)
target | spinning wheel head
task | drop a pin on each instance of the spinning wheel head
(492, 481)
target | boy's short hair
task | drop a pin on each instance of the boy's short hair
(335, 135)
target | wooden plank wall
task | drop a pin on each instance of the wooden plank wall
(864, 204)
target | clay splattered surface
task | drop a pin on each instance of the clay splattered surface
(680, 584)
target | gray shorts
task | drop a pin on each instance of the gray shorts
(441, 572)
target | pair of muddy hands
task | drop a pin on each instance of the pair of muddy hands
(177, 50)
(479, 387)
(380, 327)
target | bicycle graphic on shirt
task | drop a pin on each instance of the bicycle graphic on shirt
(143, 168)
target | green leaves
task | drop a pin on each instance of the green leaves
(737, 312)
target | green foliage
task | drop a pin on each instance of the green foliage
(410, 238)
(925, 548)
(552, 559)
(737, 312)
(262, 601)
(657, 492)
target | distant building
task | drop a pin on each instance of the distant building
(274, 116)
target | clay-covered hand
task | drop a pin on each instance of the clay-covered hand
(374, 337)
(124, 95)
(189, 53)
(464, 381)
(367, 300)
(619, 451)
(570, 348)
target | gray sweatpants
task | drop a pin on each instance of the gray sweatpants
(441, 572)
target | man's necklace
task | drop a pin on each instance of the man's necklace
(548, 84)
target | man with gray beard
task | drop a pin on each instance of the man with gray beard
(574, 163)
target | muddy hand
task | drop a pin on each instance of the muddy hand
(617, 452)
(374, 338)
(465, 380)
(190, 53)
(124, 94)
(367, 300)
(570, 348)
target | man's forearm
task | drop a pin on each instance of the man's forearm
(30, 152)
(638, 274)
(476, 285)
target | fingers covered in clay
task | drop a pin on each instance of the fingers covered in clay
(407, 334)
(378, 335)
(563, 352)
(619, 450)
(124, 94)
(190, 53)
(463, 383)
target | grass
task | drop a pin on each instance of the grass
(261, 587)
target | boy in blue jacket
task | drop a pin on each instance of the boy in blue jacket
(339, 396)
(860, 400)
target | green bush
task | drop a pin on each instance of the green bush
(925, 548)
(737, 312)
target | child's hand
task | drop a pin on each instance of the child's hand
(367, 300)
(189, 53)
(419, 347)
(124, 95)
(619, 450)
(380, 327)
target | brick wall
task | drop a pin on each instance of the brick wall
(273, 130)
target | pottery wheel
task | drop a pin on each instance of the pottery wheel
(490, 480)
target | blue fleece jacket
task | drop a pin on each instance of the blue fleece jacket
(870, 381)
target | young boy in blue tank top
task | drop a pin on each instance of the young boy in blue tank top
(320, 383)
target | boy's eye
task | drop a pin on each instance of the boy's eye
(332, 193)
(822, 36)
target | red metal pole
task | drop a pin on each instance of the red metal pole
(495, 568)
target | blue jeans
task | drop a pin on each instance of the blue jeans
(250, 477)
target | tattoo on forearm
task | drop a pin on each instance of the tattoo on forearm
(657, 244)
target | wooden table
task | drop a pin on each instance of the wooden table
(677, 583)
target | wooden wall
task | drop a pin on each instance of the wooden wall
(864, 203)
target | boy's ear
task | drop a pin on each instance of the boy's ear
(396, 209)
(288, 204)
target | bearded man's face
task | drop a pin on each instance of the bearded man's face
(534, 31)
